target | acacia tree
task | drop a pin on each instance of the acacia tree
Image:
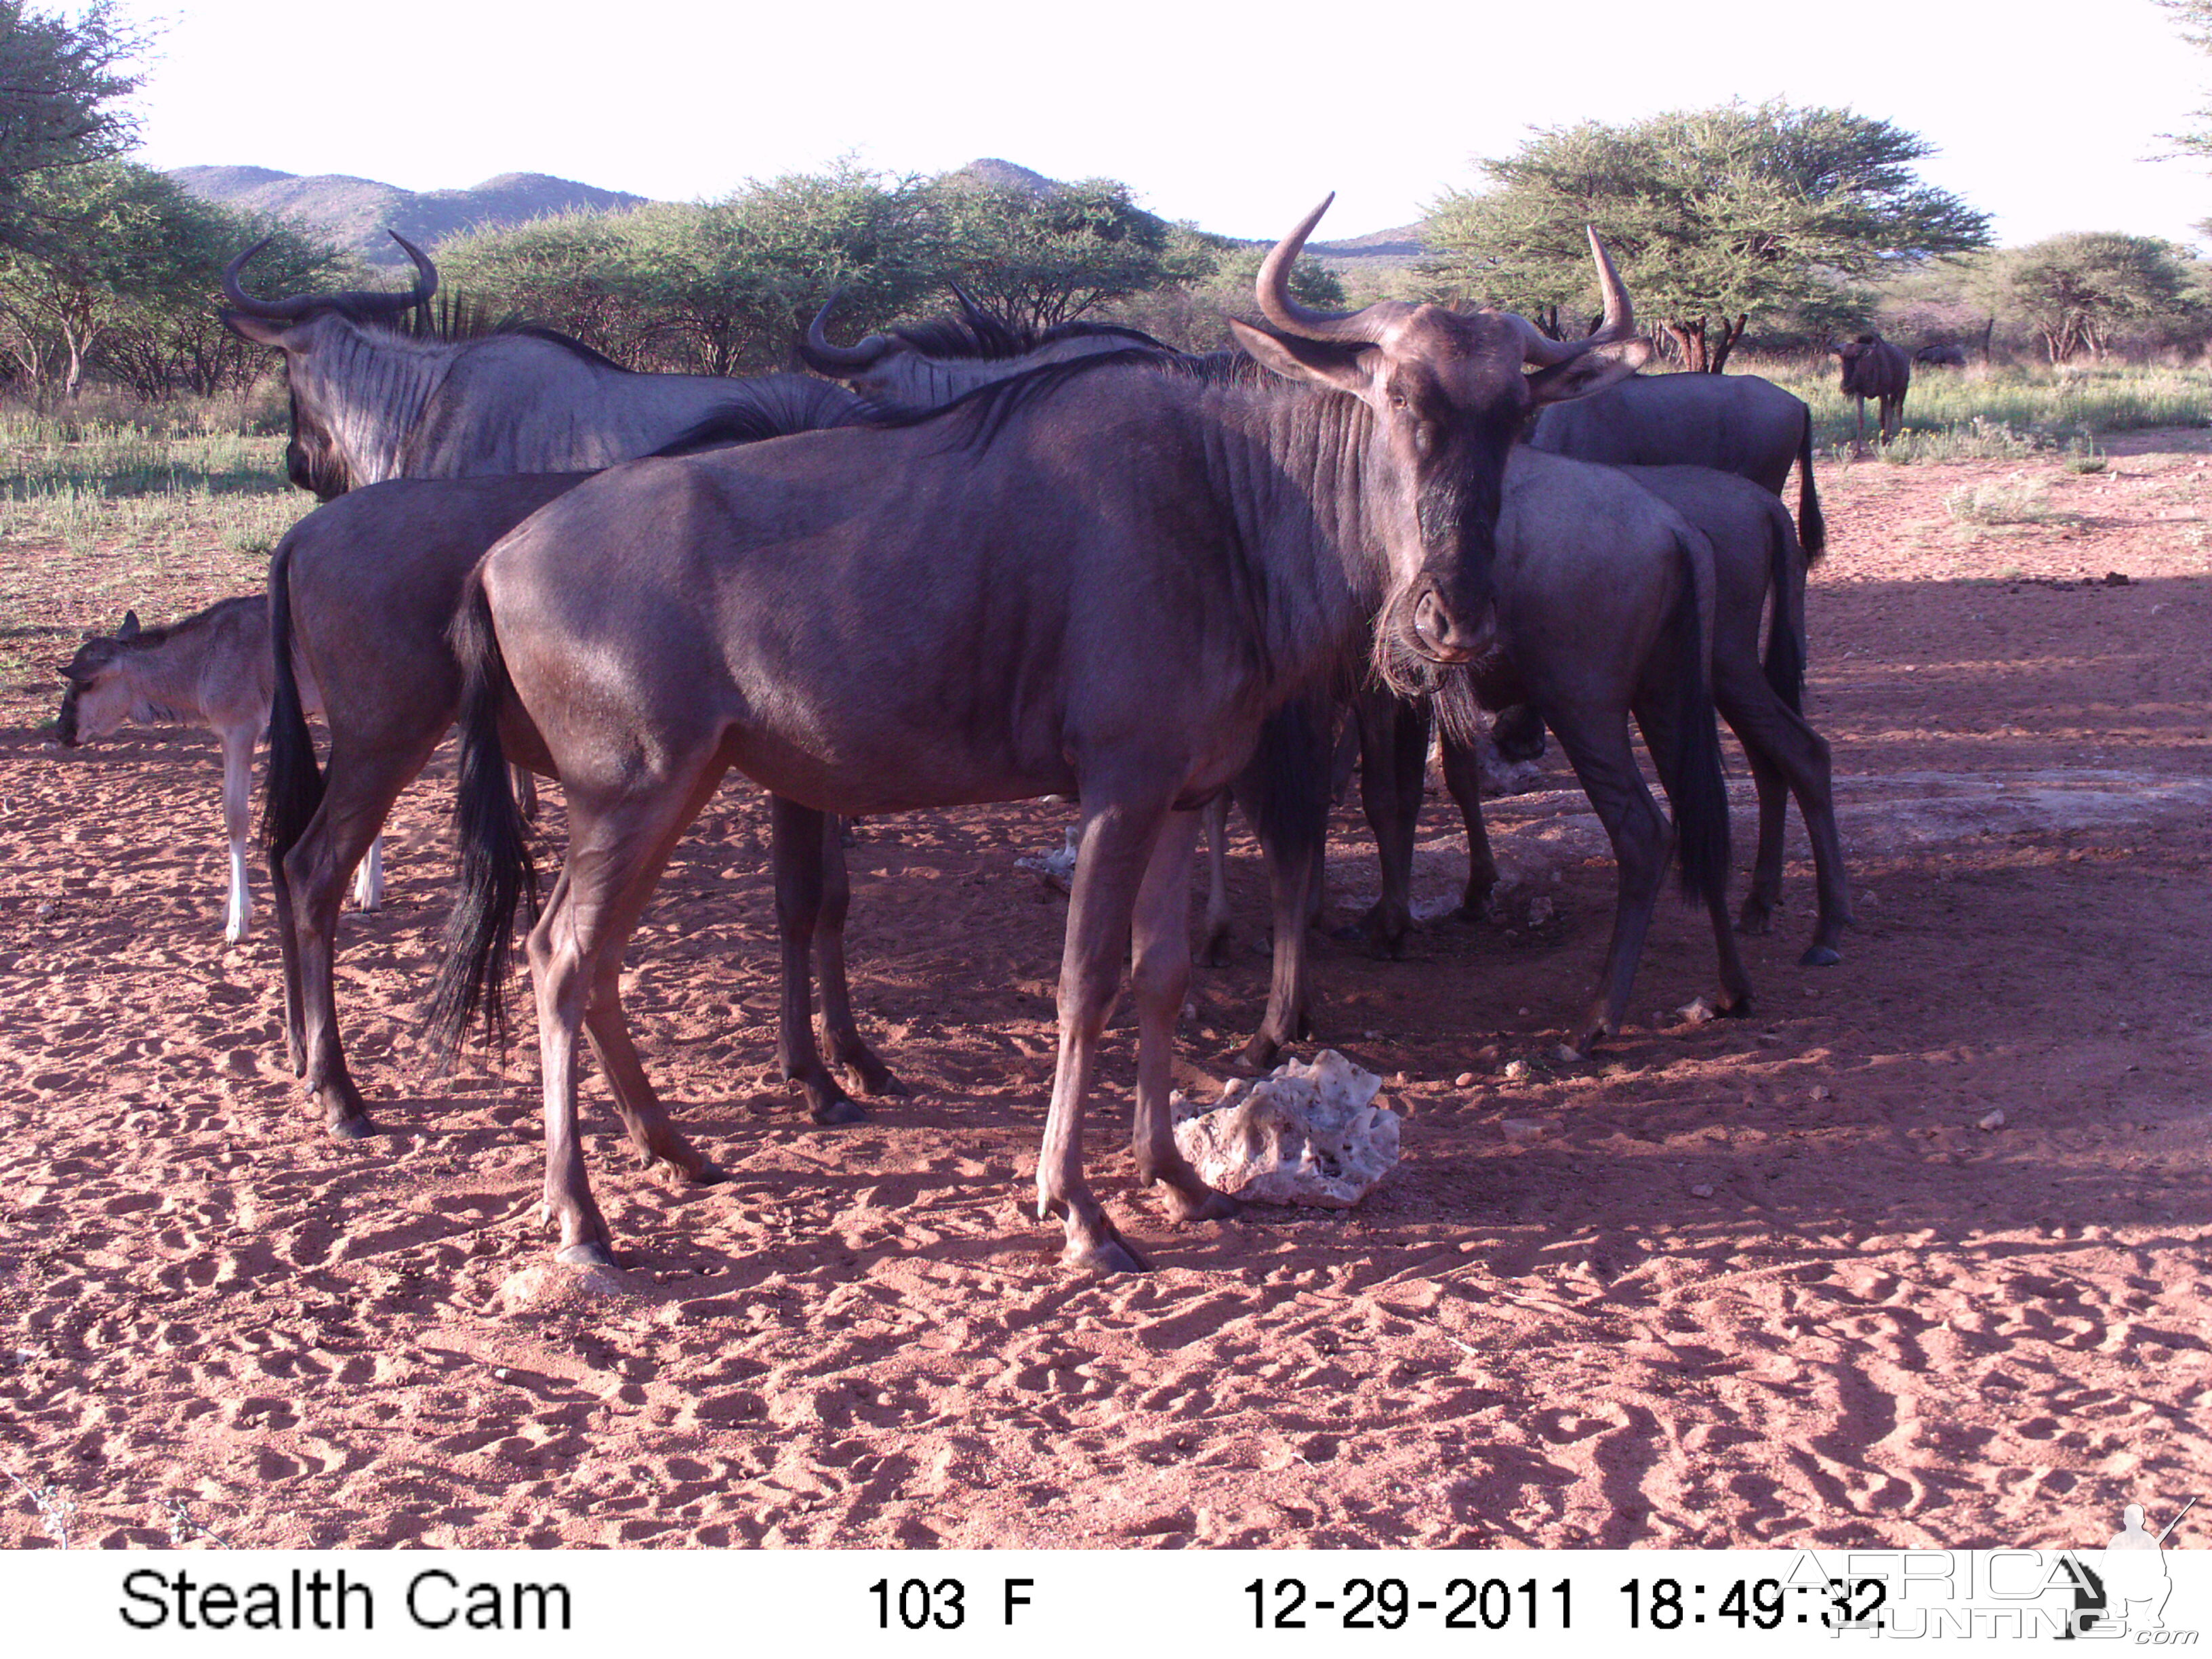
(2077, 290)
(1043, 256)
(1715, 216)
(61, 84)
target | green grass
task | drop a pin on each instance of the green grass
(2003, 414)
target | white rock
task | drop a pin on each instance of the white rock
(1703, 1190)
(1058, 869)
(1994, 1120)
(1501, 777)
(1302, 1135)
(1516, 1071)
(1567, 1054)
(1524, 1129)
(1697, 1013)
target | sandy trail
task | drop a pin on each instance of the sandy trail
(1884, 1324)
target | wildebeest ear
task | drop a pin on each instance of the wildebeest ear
(1588, 371)
(129, 629)
(259, 330)
(67, 671)
(1325, 363)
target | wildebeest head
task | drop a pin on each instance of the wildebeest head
(99, 697)
(306, 328)
(1448, 391)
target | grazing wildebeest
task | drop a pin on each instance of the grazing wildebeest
(371, 401)
(1094, 579)
(211, 670)
(1736, 423)
(1874, 368)
(1605, 611)
(361, 593)
(928, 365)
(1942, 356)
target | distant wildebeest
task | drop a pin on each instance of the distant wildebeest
(361, 594)
(1605, 610)
(372, 401)
(211, 670)
(1094, 579)
(1942, 356)
(1874, 368)
(1736, 423)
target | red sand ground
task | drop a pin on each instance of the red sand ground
(1886, 1324)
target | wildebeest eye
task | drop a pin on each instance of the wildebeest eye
(1397, 400)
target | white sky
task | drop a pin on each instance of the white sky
(1237, 117)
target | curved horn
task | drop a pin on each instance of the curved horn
(1617, 324)
(824, 358)
(1271, 289)
(362, 302)
(969, 304)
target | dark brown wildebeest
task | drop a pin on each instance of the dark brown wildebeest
(1605, 610)
(1874, 368)
(1942, 356)
(361, 594)
(209, 670)
(372, 401)
(1095, 579)
(1736, 423)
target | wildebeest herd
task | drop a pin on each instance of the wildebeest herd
(992, 565)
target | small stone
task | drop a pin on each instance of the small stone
(1524, 1129)
(1819, 1092)
(1370, 1036)
(500, 1371)
(1302, 1135)
(1567, 1054)
(1516, 1070)
(1703, 1190)
(45, 908)
(1993, 1119)
(1464, 1080)
(1700, 1012)
(1523, 1012)
(2114, 579)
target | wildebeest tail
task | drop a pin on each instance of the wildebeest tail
(1695, 789)
(293, 788)
(1785, 665)
(1285, 792)
(1812, 528)
(497, 874)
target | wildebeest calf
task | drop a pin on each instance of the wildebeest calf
(212, 670)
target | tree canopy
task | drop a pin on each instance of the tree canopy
(2077, 291)
(62, 83)
(1715, 216)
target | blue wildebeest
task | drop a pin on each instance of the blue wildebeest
(1093, 579)
(361, 594)
(1874, 368)
(211, 670)
(1942, 356)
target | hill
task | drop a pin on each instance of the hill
(356, 212)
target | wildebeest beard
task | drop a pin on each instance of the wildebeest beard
(1453, 510)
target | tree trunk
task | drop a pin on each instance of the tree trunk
(1690, 336)
(1731, 335)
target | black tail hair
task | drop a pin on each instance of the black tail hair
(293, 788)
(1695, 789)
(1785, 665)
(497, 873)
(1285, 793)
(1812, 528)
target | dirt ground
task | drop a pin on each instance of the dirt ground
(1760, 1281)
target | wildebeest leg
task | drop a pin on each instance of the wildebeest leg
(1463, 777)
(1597, 745)
(1217, 925)
(360, 789)
(524, 781)
(1788, 758)
(237, 823)
(1122, 826)
(1655, 716)
(847, 1046)
(798, 836)
(1394, 746)
(1159, 976)
(617, 851)
(368, 879)
(1292, 877)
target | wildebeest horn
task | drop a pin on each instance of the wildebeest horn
(1619, 322)
(1271, 289)
(824, 358)
(364, 302)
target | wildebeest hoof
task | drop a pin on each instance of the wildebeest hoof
(1260, 1054)
(881, 1086)
(693, 1170)
(1215, 954)
(589, 1254)
(840, 1110)
(1110, 1255)
(1207, 1204)
(1753, 923)
(353, 1127)
(1821, 956)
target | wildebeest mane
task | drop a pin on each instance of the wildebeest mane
(982, 334)
(770, 409)
(459, 320)
(988, 408)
